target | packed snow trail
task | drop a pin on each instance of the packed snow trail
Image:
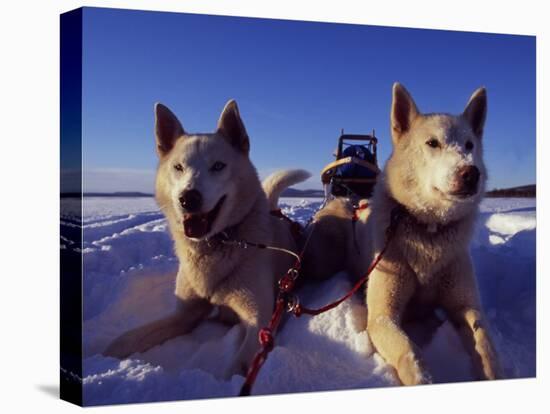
(129, 273)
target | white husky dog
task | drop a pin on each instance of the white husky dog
(436, 179)
(208, 188)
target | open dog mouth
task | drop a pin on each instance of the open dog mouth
(197, 225)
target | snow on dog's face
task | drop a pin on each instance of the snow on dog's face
(436, 169)
(205, 182)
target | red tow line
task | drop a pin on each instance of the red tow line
(285, 299)
(300, 310)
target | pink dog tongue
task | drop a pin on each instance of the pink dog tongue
(195, 225)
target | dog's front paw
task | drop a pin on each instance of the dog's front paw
(490, 368)
(411, 370)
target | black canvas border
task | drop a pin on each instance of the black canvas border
(71, 187)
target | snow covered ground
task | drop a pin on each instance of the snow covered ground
(129, 270)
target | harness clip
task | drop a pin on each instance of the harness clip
(293, 304)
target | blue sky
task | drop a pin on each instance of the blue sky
(296, 83)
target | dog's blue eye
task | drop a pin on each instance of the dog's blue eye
(218, 166)
(469, 145)
(178, 167)
(433, 143)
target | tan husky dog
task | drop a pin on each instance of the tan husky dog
(436, 178)
(210, 192)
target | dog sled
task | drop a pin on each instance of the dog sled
(353, 174)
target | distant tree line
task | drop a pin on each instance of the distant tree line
(523, 191)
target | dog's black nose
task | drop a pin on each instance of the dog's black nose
(191, 201)
(469, 176)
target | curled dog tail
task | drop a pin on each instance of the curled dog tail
(277, 182)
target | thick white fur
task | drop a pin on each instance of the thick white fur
(427, 262)
(239, 282)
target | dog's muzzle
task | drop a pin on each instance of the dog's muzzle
(198, 225)
(191, 201)
(466, 181)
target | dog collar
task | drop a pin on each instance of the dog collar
(429, 227)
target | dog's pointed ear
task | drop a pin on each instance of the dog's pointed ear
(167, 129)
(476, 111)
(403, 110)
(231, 127)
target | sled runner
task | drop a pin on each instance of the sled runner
(354, 172)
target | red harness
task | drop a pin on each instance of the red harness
(286, 299)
